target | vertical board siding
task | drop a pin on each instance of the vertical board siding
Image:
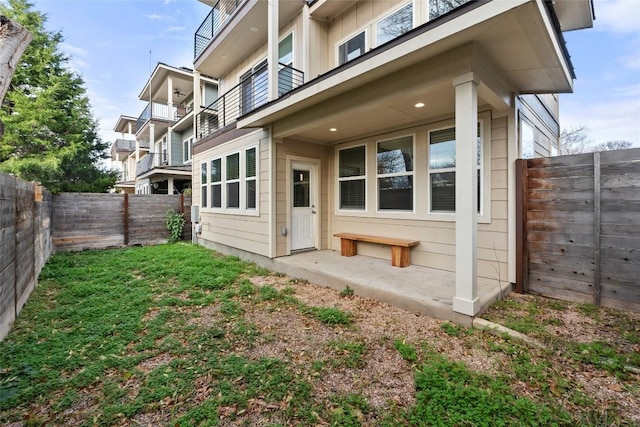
(582, 227)
(25, 244)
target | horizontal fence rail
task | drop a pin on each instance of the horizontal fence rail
(251, 93)
(580, 227)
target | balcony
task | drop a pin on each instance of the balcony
(151, 161)
(232, 30)
(160, 111)
(248, 95)
(213, 23)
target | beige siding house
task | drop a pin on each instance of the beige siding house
(399, 119)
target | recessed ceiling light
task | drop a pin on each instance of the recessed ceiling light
(419, 105)
(333, 130)
(253, 29)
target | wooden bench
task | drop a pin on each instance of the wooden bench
(400, 248)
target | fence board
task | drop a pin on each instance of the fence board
(582, 227)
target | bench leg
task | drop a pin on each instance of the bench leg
(400, 256)
(348, 247)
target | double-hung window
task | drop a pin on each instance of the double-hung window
(394, 25)
(352, 48)
(442, 169)
(250, 178)
(204, 188)
(395, 174)
(233, 181)
(216, 183)
(352, 177)
(186, 149)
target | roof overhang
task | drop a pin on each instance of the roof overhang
(512, 45)
(122, 125)
(166, 172)
(574, 14)
(182, 81)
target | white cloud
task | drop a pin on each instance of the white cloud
(157, 17)
(608, 120)
(617, 16)
(175, 29)
(73, 50)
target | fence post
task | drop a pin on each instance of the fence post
(182, 203)
(596, 229)
(522, 252)
(126, 218)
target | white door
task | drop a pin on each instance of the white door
(303, 206)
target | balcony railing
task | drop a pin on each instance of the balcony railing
(159, 111)
(251, 93)
(150, 161)
(213, 23)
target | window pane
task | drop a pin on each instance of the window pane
(526, 140)
(216, 170)
(395, 156)
(251, 194)
(250, 163)
(285, 50)
(204, 174)
(233, 195)
(395, 193)
(440, 7)
(233, 166)
(443, 192)
(352, 162)
(442, 149)
(301, 189)
(204, 196)
(395, 25)
(351, 49)
(216, 196)
(352, 194)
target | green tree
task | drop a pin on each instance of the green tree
(50, 134)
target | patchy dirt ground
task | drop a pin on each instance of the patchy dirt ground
(590, 359)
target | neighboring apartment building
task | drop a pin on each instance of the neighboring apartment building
(155, 152)
(396, 118)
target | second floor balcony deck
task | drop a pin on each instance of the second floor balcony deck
(250, 94)
(160, 111)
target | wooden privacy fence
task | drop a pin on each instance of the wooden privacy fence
(25, 243)
(579, 227)
(98, 221)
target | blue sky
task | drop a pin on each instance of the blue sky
(109, 42)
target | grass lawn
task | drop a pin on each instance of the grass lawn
(178, 335)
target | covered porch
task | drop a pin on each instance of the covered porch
(423, 290)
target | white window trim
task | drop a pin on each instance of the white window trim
(391, 175)
(353, 35)
(421, 175)
(357, 212)
(189, 145)
(216, 183)
(242, 180)
(377, 23)
(484, 215)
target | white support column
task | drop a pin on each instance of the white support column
(170, 97)
(137, 151)
(152, 139)
(170, 186)
(306, 41)
(272, 48)
(512, 155)
(129, 129)
(197, 102)
(466, 299)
